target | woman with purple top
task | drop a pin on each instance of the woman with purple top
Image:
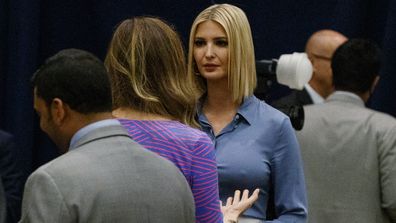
(154, 100)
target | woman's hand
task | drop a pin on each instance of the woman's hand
(236, 206)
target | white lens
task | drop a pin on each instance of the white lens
(294, 70)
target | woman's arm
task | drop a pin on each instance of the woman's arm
(288, 177)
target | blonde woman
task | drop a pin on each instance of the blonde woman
(255, 144)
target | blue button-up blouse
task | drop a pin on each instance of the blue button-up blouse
(259, 149)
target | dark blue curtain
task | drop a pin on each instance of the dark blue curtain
(30, 31)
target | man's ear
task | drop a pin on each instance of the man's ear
(58, 111)
(313, 63)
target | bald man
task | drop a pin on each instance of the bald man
(319, 48)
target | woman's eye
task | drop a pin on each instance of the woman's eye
(199, 43)
(222, 43)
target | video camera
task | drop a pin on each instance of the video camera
(293, 70)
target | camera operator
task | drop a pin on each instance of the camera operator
(319, 48)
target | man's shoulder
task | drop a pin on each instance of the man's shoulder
(102, 134)
(116, 162)
(380, 115)
(102, 151)
(86, 156)
(107, 149)
(7, 144)
(4, 134)
(336, 111)
(98, 179)
(383, 121)
(5, 137)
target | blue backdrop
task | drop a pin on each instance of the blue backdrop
(30, 31)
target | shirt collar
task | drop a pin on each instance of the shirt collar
(316, 98)
(245, 110)
(88, 128)
(346, 96)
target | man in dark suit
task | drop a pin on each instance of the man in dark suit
(319, 48)
(2, 204)
(103, 175)
(348, 150)
(11, 177)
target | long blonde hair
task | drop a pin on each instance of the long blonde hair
(147, 69)
(241, 64)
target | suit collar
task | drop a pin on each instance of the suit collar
(346, 97)
(314, 96)
(303, 97)
(100, 132)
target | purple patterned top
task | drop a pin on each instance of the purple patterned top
(189, 149)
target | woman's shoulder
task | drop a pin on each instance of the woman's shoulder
(191, 132)
(196, 140)
(264, 112)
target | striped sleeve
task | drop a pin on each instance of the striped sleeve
(205, 182)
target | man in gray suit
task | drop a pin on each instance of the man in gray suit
(104, 176)
(349, 151)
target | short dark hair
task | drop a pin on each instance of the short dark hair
(76, 77)
(355, 65)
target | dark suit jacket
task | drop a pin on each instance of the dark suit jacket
(11, 177)
(296, 97)
(2, 204)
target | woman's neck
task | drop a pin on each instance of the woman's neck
(219, 99)
(219, 107)
(133, 114)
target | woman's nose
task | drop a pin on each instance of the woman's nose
(209, 51)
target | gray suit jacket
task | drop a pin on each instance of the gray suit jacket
(108, 178)
(349, 156)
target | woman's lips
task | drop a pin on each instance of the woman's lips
(210, 67)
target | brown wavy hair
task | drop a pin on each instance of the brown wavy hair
(147, 68)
